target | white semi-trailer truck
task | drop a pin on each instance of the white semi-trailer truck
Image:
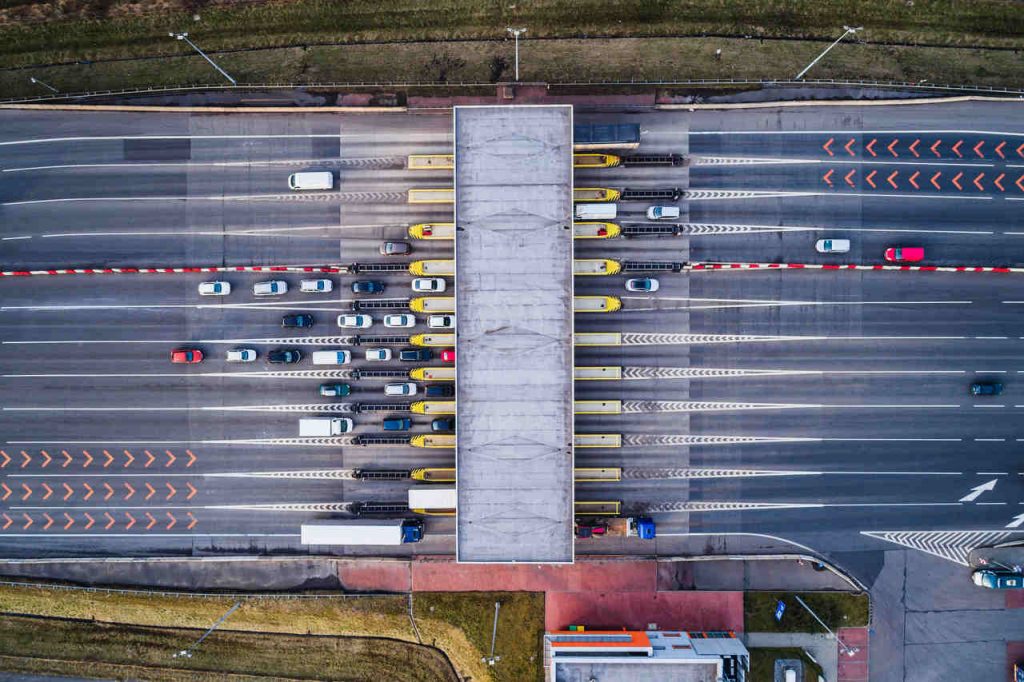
(362, 532)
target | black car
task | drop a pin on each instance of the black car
(439, 391)
(300, 321)
(443, 424)
(367, 287)
(286, 357)
(416, 355)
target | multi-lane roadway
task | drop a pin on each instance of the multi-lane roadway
(815, 406)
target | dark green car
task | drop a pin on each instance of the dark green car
(335, 390)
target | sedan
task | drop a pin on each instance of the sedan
(998, 579)
(904, 254)
(415, 355)
(316, 286)
(299, 321)
(441, 321)
(985, 388)
(404, 388)
(427, 285)
(402, 320)
(395, 248)
(368, 287)
(355, 321)
(214, 288)
(378, 354)
(643, 284)
(273, 287)
(443, 424)
(286, 357)
(448, 355)
(335, 390)
(186, 356)
(241, 355)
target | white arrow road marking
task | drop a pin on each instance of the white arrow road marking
(1016, 522)
(977, 490)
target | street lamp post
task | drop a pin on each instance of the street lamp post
(516, 32)
(848, 650)
(45, 85)
(184, 36)
(492, 659)
(849, 31)
(187, 653)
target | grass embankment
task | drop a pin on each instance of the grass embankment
(837, 609)
(135, 630)
(762, 664)
(116, 29)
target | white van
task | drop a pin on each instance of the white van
(332, 357)
(790, 675)
(311, 180)
(832, 245)
(663, 213)
(603, 211)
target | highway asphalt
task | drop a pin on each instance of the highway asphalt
(848, 389)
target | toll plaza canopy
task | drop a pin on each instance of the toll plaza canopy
(514, 325)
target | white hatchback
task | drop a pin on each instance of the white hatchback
(241, 355)
(316, 286)
(832, 246)
(355, 321)
(441, 321)
(273, 287)
(215, 288)
(428, 285)
(404, 388)
(403, 320)
(378, 354)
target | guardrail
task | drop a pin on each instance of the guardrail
(700, 82)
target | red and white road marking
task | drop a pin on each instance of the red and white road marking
(171, 271)
(849, 266)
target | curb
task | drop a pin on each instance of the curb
(837, 102)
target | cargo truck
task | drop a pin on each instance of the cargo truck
(635, 527)
(600, 212)
(362, 532)
(321, 427)
(432, 499)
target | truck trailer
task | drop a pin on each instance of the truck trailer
(324, 427)
(432, 499)
(635, 527)
(600, 212)
(362, 532)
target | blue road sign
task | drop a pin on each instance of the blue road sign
(780, 608)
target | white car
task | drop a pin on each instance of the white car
(647, 285)
(215, 288)
(273, 287)
(378, 354)
(241, 355)
(403, 320)
(355, 321)
(441, 321)
(663, 213)
(428, 285)
(832, 246)
(316, 286)
(404, 388)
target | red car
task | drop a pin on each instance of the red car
(448, 355)
(186, 356)
(904, 254)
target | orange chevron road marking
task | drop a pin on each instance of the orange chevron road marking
(71, 521)
(149, 458)
(110, 492)
(26, 460)
(977, 149)
(191, 491)
(870, 180)
(131, 491)
(191, 523)
(49, 521)
(956, 148)
(28, 492)
(128, 459)
(848, 145)
(173, 521)
(7, 492)
(152, 521)
(171, 490)
(152, 491)
(69, 493)
(28, 521)
(88, 458)
(49, 491)
(46, 457)
(826, 145)
(891, 145)
(7, 459)
(999, 149)
(131, 521)
(170, 458)
(828, 177)
(91, 520)
(977, 181)
(935, 148)
(956, 180)
(191, 458)
(110, 458)
(913, 179)
(891, 178)
(1018, 183)
(88, 489)
(67, 459)
(869, 148)
(9, 522)
(913, 148)
(935, 179)
(110, 521)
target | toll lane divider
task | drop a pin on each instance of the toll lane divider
(686, 266)
(850, 266)
(172, 271)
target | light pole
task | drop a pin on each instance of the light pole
(492, 659)
(45, 85)
(516, 32)
(849, 31)
(848, 650)
(184, 36)
(187, 653)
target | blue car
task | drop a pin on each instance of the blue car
(397, 424)
(986, 388)
(300, 321)
(367, 287)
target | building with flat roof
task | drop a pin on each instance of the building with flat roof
(514, 327)
(645, 656)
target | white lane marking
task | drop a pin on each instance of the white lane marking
(991, 504)
(253, 305)
(743, 228)
(11, 239)
(158, 164)
(723, 161)
(978, 490)
(755, 303)
(879, 440)
(334, 408)
(732, 194)
(255, 232)
(994, 406)
(991, 337)
(992, 473)
(268, 374)
(134, 536)
(91, 138)
(335, 196)
(990, 440)
(855, 133)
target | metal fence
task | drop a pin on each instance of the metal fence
(702, 82)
